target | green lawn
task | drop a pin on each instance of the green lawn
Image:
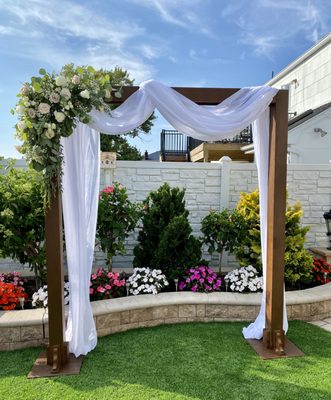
(172, 362)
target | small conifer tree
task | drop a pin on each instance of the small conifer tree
(165, 240)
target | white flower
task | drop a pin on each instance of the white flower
(21, 125)
(65, 92)
(20, 110)
(54, 97)
(59, 116)
(44, 108)
(49, 133)
(85, 94)
(31, 113)
(75, 80)
(61, 81)
(24, 89)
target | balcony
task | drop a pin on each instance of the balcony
(177, 147)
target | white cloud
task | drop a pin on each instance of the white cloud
(64, 31)
(267, 25)
(183, 13)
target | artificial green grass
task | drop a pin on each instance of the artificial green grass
(180, 362)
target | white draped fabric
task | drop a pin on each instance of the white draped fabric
(81, 178)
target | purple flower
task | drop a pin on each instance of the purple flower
(181, 285)
(201, 280)
(194, 288)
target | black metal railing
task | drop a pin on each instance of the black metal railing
(173, 143)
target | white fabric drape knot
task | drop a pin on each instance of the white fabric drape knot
(81, 178)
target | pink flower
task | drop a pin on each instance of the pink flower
(94, 276)
(201, 280)
(182, 285)
(109, 275)
(194, 288)
(91, 290)
(107, 287)
(209, 279)
(100, 289)
(108, 189)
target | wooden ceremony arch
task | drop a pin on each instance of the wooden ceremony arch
(273, 342)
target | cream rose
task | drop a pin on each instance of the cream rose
(21, 125)
(59, 116)
(44, 108)
(75, 80)
(65, 93)
(49, 133)
(25, 90)
(85, 94)
(31, 113)
(20, 110)
(61, 81)
(54, 97)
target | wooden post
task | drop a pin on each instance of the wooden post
(273, 336)
(57, 350)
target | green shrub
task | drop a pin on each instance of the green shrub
(165, 241)
(117, 217)
(298, 262)
(22, 220)
(224, 230)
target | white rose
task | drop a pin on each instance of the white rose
(54, 97)
(59, 116)
(61, 81)
(25, 90)
(85, 94)
(21, 125)
(75, 80)
(65, 93)
(44, 108)
(20, 110)
(49, 133)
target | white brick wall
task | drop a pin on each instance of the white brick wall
(217, 186)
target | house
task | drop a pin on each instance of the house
(308, 80)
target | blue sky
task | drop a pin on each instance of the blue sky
(211, 43)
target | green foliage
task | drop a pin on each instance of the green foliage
(224, 230)
(166, 241)
(117, 217)
(120, 145)
(22, 226)
(298, 262)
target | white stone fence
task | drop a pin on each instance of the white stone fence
(217, 186)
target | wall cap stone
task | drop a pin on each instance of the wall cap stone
(37, 317)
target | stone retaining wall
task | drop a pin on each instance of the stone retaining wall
(28, 328)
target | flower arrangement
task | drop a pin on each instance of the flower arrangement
(49, 107)
(106, 285)
(146, 280)
(40, 298)
(117, 217)
(10, 295)
(200, 279)
(244, 279)
(13, 277)
(321, 271)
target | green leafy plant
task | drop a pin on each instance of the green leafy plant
(165, 240)
(117, 217)
(298, 262)
(224, 230)
(22, 226)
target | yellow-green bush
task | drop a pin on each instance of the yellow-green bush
(298, 262)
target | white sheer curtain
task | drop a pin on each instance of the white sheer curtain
(81, 177)
(80, 205)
